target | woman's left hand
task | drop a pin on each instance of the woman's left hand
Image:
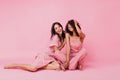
(66, 64)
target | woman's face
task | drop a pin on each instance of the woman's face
(58, 29)
(70, 28)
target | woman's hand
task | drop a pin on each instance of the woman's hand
(75, 21)
(78, 28)
(66, 64)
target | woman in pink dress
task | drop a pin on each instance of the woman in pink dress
(75, 51)
(50, 60)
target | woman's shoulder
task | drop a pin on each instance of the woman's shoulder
(55, 37)
(67, 34)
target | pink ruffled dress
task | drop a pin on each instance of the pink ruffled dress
(45, 58)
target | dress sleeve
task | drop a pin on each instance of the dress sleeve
(54, 41)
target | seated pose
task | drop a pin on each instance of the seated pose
(52, 59)
(75, 51)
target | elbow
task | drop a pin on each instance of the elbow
(82, 35)
(56, 48)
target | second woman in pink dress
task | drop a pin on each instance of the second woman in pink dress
(74, 40)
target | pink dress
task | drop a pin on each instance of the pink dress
(77, 53)
(44, 59)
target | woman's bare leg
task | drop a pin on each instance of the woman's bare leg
(21, 66)
(52, 66)
(28, 67)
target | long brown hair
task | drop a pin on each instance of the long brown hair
(54, 33)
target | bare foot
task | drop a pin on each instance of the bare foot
(6, 67)
(62, 67)
(9, 66)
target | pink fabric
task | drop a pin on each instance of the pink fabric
(77, 53)
(45, 58)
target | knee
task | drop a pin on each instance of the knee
(33, 69)
(56, 66)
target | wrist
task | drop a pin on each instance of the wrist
(67, 61)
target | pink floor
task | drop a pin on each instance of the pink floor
(90, 72)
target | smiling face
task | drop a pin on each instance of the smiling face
(70, 28)
(58, 29)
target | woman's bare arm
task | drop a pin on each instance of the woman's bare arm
(62, 45)
(68, 50)
(77, 28)
(81, 34)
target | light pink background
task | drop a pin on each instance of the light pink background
(25, 27)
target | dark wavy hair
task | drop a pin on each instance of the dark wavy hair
(72, 23)
(54, 33)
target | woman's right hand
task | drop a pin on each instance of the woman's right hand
(76, 22)
(66, 64)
